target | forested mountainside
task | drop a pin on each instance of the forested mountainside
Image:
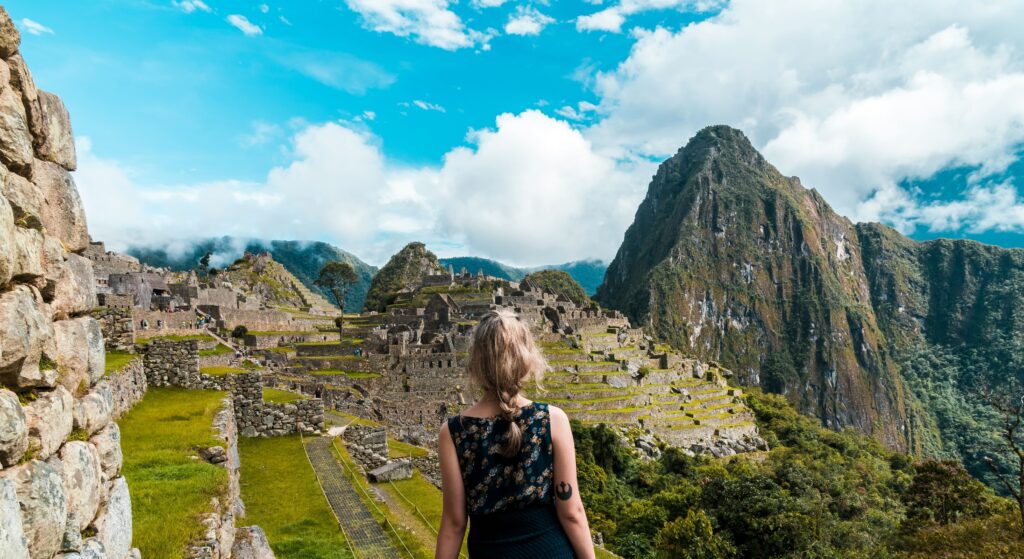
(855, 324)
(404, 270)
(302, 258)
(588, 273)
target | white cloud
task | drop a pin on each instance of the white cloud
(35, 28)
(526, 20)
(262, 133)
(611, 19)
(429, 22)
(284, 20)
(483, 4)
(189, 6)
(852, 97)
(243, 24)
(529, 191)
(428, 106)
(334, 69)
(264, 8)
(582, 111)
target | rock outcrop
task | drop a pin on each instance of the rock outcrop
(61, 494)
(403, 271)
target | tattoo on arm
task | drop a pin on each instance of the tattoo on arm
(563, 491)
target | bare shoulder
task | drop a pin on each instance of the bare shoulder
(444, 433)
(559, 419)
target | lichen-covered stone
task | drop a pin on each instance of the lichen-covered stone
(74, 290)
(25, 334)
(108, 444)
(83, 482)
(251, 543)
(9, 36)
(15, 138)
(63, 215)
(26, 200)
(79, 352)
(114, 522)
(55, 142)
(28, 254)
(7, 251)
(50, 419)
(93, 411)
(13, 429)
(13, 544)
(44, 511)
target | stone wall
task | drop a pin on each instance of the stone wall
(61, 489)
(172, 363)
(257, 321)
(127, 386)
(368, 445)
(257, 418)
(117, 327)
(219, 537)
(160, 323)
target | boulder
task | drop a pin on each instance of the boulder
(7, 250)
(44, 512)
(55, 142)
(22, 80)
(28, 254)
(82, 482)
(26, 200)
(93, 411)
(50, 419)
(91, 548)
(114, 523)
(13, 544)
(13, 429)
(9, 36)
(63, 215)
(15, 138)
(74, 291)
(79, 352)
(108, 445)
(392, 471)
(25, 335)
(251, 543)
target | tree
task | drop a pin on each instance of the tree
(1010, 404)
(692, 537)
(943, 493)
(337, 277)
(203, 266)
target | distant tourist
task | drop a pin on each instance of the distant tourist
(508, 465)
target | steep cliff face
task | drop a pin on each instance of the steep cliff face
(732, 261)
(404, 270)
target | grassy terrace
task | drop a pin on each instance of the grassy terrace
(306, 528)
(276, 396)
(118, 360)
(399, 449)
(349, 374)
(221, 349)
(169, 487)
(175, 338)
(221, 371)
(417, 505)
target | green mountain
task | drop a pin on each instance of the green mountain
(588, 273)
(857, 325)
(403, 271)
(302, 258)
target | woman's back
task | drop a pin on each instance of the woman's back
(494, 482)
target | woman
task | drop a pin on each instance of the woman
(508, 465)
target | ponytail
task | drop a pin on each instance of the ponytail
(510, 412)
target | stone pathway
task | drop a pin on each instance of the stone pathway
(366, 535)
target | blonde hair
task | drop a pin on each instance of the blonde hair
(502, 357)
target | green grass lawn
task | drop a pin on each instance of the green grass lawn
(176, 338)
(282, 349)
(169, 488)
(220, 371)
(221, 349)
(282, 495)
(399, 449)
(417, 504)
(333, 418)
(276, 396)
(118, 360)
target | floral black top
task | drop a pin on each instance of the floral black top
(493, 482)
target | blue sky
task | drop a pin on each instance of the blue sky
(525, 132)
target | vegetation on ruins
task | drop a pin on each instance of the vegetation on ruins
(403, 271)
(337, 278)
(170, 488)
(116, 361)
(273, 468)
(560, 282)
(278, 396)
(817, 493)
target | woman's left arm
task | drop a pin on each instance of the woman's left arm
(453, 514)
